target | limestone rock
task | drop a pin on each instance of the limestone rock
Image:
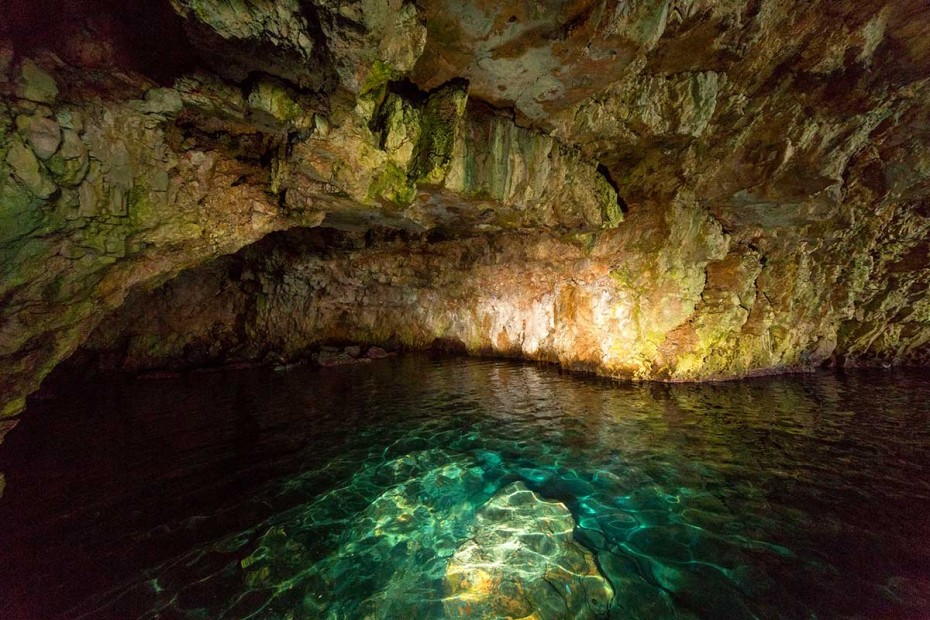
(35, 84)
(439, 123)
(42, 134)
(476, 169)
(371, 42)
(240, 37)
(71, 163)
(273, 99)
(19, 218)
(211, 96)
(536, 60)
(335, 357)
(401, 129)
(404, 39)
(376, 353)
(28, 170)
(166, 101)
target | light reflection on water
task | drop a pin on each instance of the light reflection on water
(387, 491)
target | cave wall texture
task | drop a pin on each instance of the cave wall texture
(652, 189)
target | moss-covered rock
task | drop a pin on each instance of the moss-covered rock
(70, 164)
(439, 123)
(401, 127)
(35, 84)
(273, 99)
(20, 212)
(27, 170)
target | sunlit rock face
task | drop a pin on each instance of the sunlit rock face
(539, 296)
(667, 295)
(771, 158)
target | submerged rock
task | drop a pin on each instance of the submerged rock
(329, 356)
(422, 545)
(407, 516)
(376, 353)
(521, 561)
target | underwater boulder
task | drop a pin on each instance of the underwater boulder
(522, 562)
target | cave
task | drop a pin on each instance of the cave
(435, 309)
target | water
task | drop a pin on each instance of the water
(428, 488)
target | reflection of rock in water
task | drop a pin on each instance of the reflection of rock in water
(522, 562)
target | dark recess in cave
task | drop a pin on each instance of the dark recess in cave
(604, 171)
(148, 36)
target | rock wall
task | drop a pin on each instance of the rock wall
(97, 196)
(664, 296)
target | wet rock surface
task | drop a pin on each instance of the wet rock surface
(333, 356)
(521, 561)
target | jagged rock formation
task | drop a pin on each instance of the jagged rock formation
(771, 157)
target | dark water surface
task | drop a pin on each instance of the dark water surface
(362, 492)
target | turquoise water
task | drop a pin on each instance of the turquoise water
(431, 488)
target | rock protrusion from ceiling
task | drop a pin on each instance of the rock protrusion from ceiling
(241, 37)
(754, 105)
(430, 160)
(537, 58)
(318, 45)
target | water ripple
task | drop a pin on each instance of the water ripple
(443, 488)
